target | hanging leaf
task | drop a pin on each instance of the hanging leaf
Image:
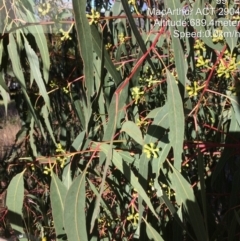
(176, 119)
(133, 131)
(185, 193)
(74, 210)
(57, 196)
(14, 202)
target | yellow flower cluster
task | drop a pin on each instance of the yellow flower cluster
(94, 17)
(202, 63)
(53, 84)
(121, 38)
(108, 46)
(60, 159)
(199, 45)
(133, 3)
(65, 90)
(168, 190)
(150, 81)
(48, 171)
(136, 94)
(134, 216)
(141, 122)
(193, 91)
(227, 66)
(44, 8)
(65, 35)
(150, 150)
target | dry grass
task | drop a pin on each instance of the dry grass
(9, 126)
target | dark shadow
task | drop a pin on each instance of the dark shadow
(156, 131)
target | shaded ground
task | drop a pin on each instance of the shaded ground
(9, 126)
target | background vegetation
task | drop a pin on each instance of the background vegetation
(124, 132)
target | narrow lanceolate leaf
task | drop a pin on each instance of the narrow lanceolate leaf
(175, 5)
(74, 210)
(35, 68)
(185, 194)
(236, 110)
(66, 176)
(152, 233)
(96, 38)
(137, 34)
(40, 38)
(57, 197)
(133, 131)
(31, 137)
(14, 202)
(180, 61)
(164, 148)
(176, 119)
(5, 97)
(17, 70)
(85, 45)
(159, 125)
(154, 133)
(125, 169)
(13, 54)
(45, 115)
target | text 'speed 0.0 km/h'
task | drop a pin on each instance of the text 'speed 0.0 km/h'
(207, 34)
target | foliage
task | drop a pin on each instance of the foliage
(127, 131)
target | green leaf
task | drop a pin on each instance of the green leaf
(86, 48)
(133, 131)
(103, 203)
(236, 108)
(116, 106)
(77, 143)
(5, 97)
(175, 5)
(137, 34)
(229, 33)
(185, 192)
(57, 196)
(12, 51)
(124, 168)
(13, 54)
(66, 176)
(152, 233)
(31, 137)
(40, 38)
(159, 125)
(159, 116)
(2, 82)
(45, 115)
(164, 147)
(97, 39)
(78, 108)
(74, 210)
(176, 120)
(14, 201)
(180, 62)
(35, 68)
